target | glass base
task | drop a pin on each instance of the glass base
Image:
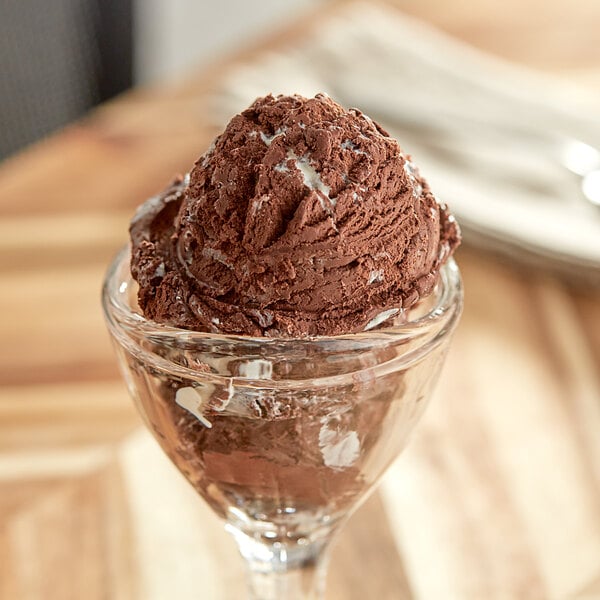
(283, 571)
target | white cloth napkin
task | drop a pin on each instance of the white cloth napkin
(493, 139)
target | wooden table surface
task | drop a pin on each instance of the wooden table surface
(498, 495)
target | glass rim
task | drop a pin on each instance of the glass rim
(120, 314)
(411, 341)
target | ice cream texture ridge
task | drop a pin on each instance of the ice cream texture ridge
(302, 219)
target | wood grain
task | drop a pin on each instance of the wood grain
(498, 495)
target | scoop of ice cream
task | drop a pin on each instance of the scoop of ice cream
(303, 218)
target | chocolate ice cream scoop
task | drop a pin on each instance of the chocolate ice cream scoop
(303, 218)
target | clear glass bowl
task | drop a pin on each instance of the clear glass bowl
(282, 437)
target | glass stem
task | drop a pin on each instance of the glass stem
(283, 571)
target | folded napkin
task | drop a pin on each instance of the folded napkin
(497, 142)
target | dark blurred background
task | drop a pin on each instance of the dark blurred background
(59, 58)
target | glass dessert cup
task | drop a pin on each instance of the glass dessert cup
(283, 438)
